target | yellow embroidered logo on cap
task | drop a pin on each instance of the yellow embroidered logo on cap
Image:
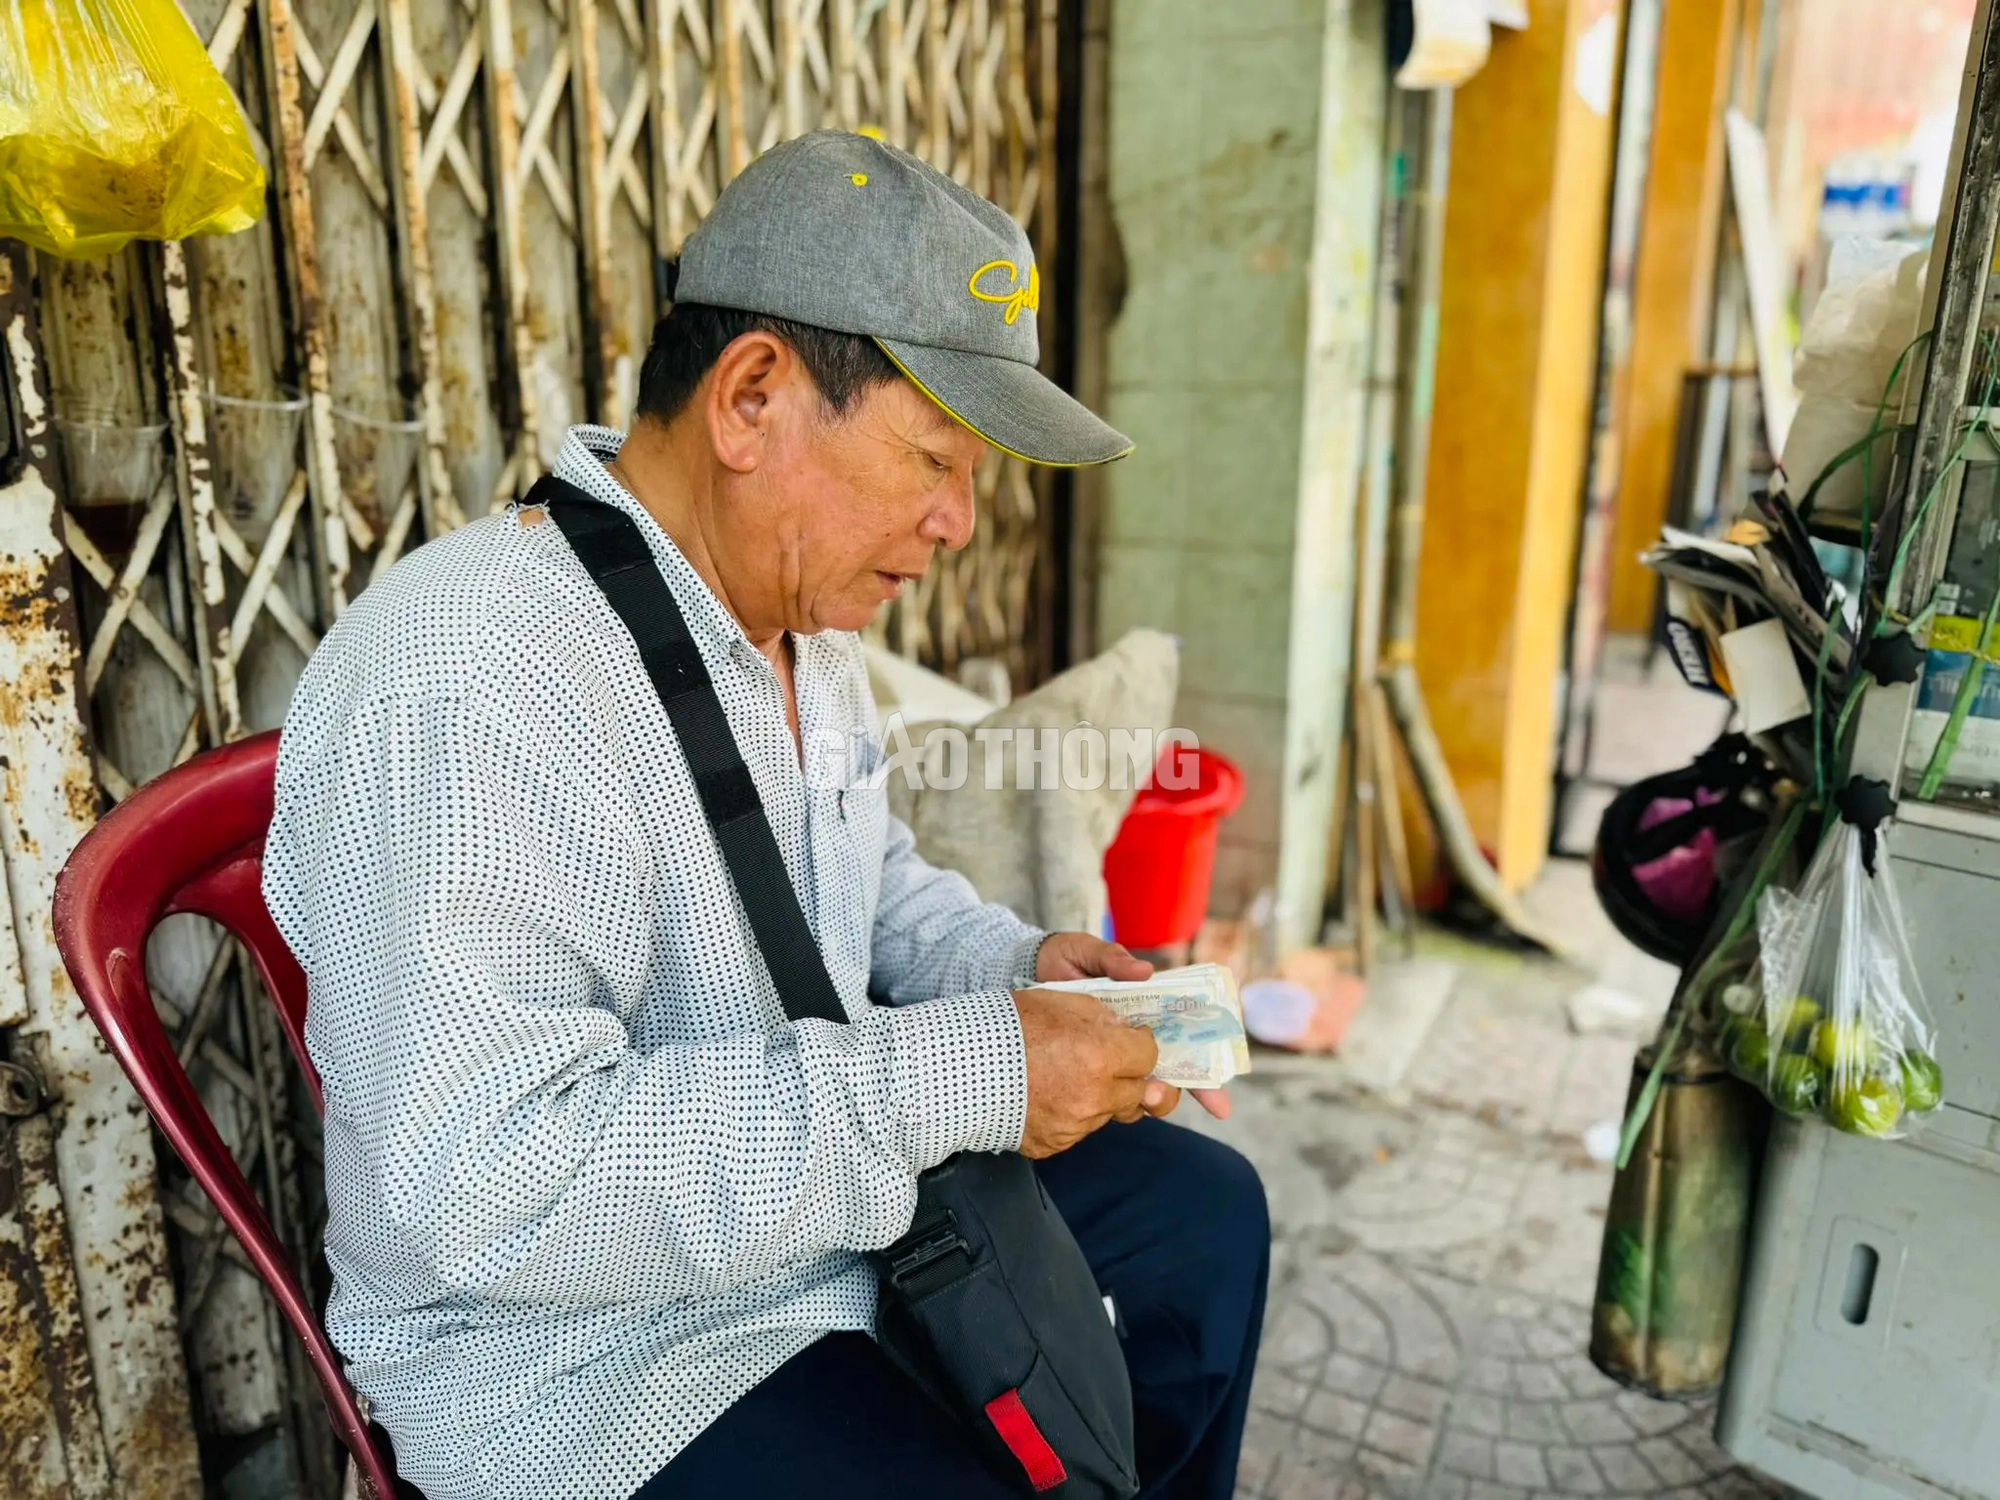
(1017, 292)
(859, 179)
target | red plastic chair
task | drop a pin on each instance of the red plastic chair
(193, 841)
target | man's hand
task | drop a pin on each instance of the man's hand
(1085, 1067)
(1078, 955)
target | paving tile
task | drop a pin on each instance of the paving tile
(1624, 1469)
(1321, 1452)
(1264, 1438)
(1298, 1334)
(1596, 1422)
(1478, 1413)
(1466, 1453)
(1356, 1322)
(1353, 1377)
(1415, 1398)
(1515, 1307)
(1520, 1464)
(1279, 1394)
(1300, 1479)
(1386, 1472)
(1593, 1086)
(1503, 1072)
(1404, 1002)
(1649, 1416)
(1336, 1415)
(1426, 1351)
(1555, 1228)
(1699, 1443)
(1400, 1438)
(1495, 1377)
(1581, 1376)
(1538, 1381)
(1442, 1193)
(1572, 1473)
(1670, 1461)
(1534, 1422)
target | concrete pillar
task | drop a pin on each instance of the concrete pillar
(1524, 242)
(1245, 146)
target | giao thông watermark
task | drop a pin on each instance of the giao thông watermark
(1082, 758)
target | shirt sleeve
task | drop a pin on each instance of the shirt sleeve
(933, 935)
(471, 1011)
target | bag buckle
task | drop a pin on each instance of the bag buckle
(937, 1240)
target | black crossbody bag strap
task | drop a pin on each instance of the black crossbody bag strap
(609, 545)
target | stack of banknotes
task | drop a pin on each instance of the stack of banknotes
(1194, 1014)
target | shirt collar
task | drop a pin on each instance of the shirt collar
(585, 450)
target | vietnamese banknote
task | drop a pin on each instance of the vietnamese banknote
(1194, 1014)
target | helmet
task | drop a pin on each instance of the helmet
(1655, 862)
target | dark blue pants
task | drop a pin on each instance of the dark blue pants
(1176, 1230)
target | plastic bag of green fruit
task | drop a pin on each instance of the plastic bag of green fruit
(1831, 1022)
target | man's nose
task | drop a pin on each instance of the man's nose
(950, 520)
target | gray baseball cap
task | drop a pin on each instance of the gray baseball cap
(842, 231)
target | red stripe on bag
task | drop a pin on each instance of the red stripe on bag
(1025, 1441)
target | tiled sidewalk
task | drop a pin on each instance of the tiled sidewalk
(1436, 1254)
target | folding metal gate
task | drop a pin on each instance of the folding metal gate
(218, 444)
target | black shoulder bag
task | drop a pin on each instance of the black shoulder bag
(987, 1303)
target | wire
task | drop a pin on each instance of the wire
(1878, 611)
(1865, 451)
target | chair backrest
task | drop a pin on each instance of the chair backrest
(193, 841)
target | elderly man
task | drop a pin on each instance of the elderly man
(598, 1209)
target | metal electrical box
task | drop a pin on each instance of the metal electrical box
(1867, 1356)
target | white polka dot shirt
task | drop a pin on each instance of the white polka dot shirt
(586, 1184)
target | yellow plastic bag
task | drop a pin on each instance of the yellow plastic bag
(115, 126)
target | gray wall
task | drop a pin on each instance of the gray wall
(1248, 223)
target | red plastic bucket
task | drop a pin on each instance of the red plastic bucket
(1159, 867)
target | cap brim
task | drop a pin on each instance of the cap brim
(1013, 406)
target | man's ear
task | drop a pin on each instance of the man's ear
(750, 380)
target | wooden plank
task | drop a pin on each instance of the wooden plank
(735, 153)
(791, 62)
(846, 80)
(895, 75)
(219, 701)
(411, 222)
(301, 236)
(593, 209)
(936, 146)
(669, 199)
(1672, 281)
(1097, 274)
(984, 108)
(504, 183)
